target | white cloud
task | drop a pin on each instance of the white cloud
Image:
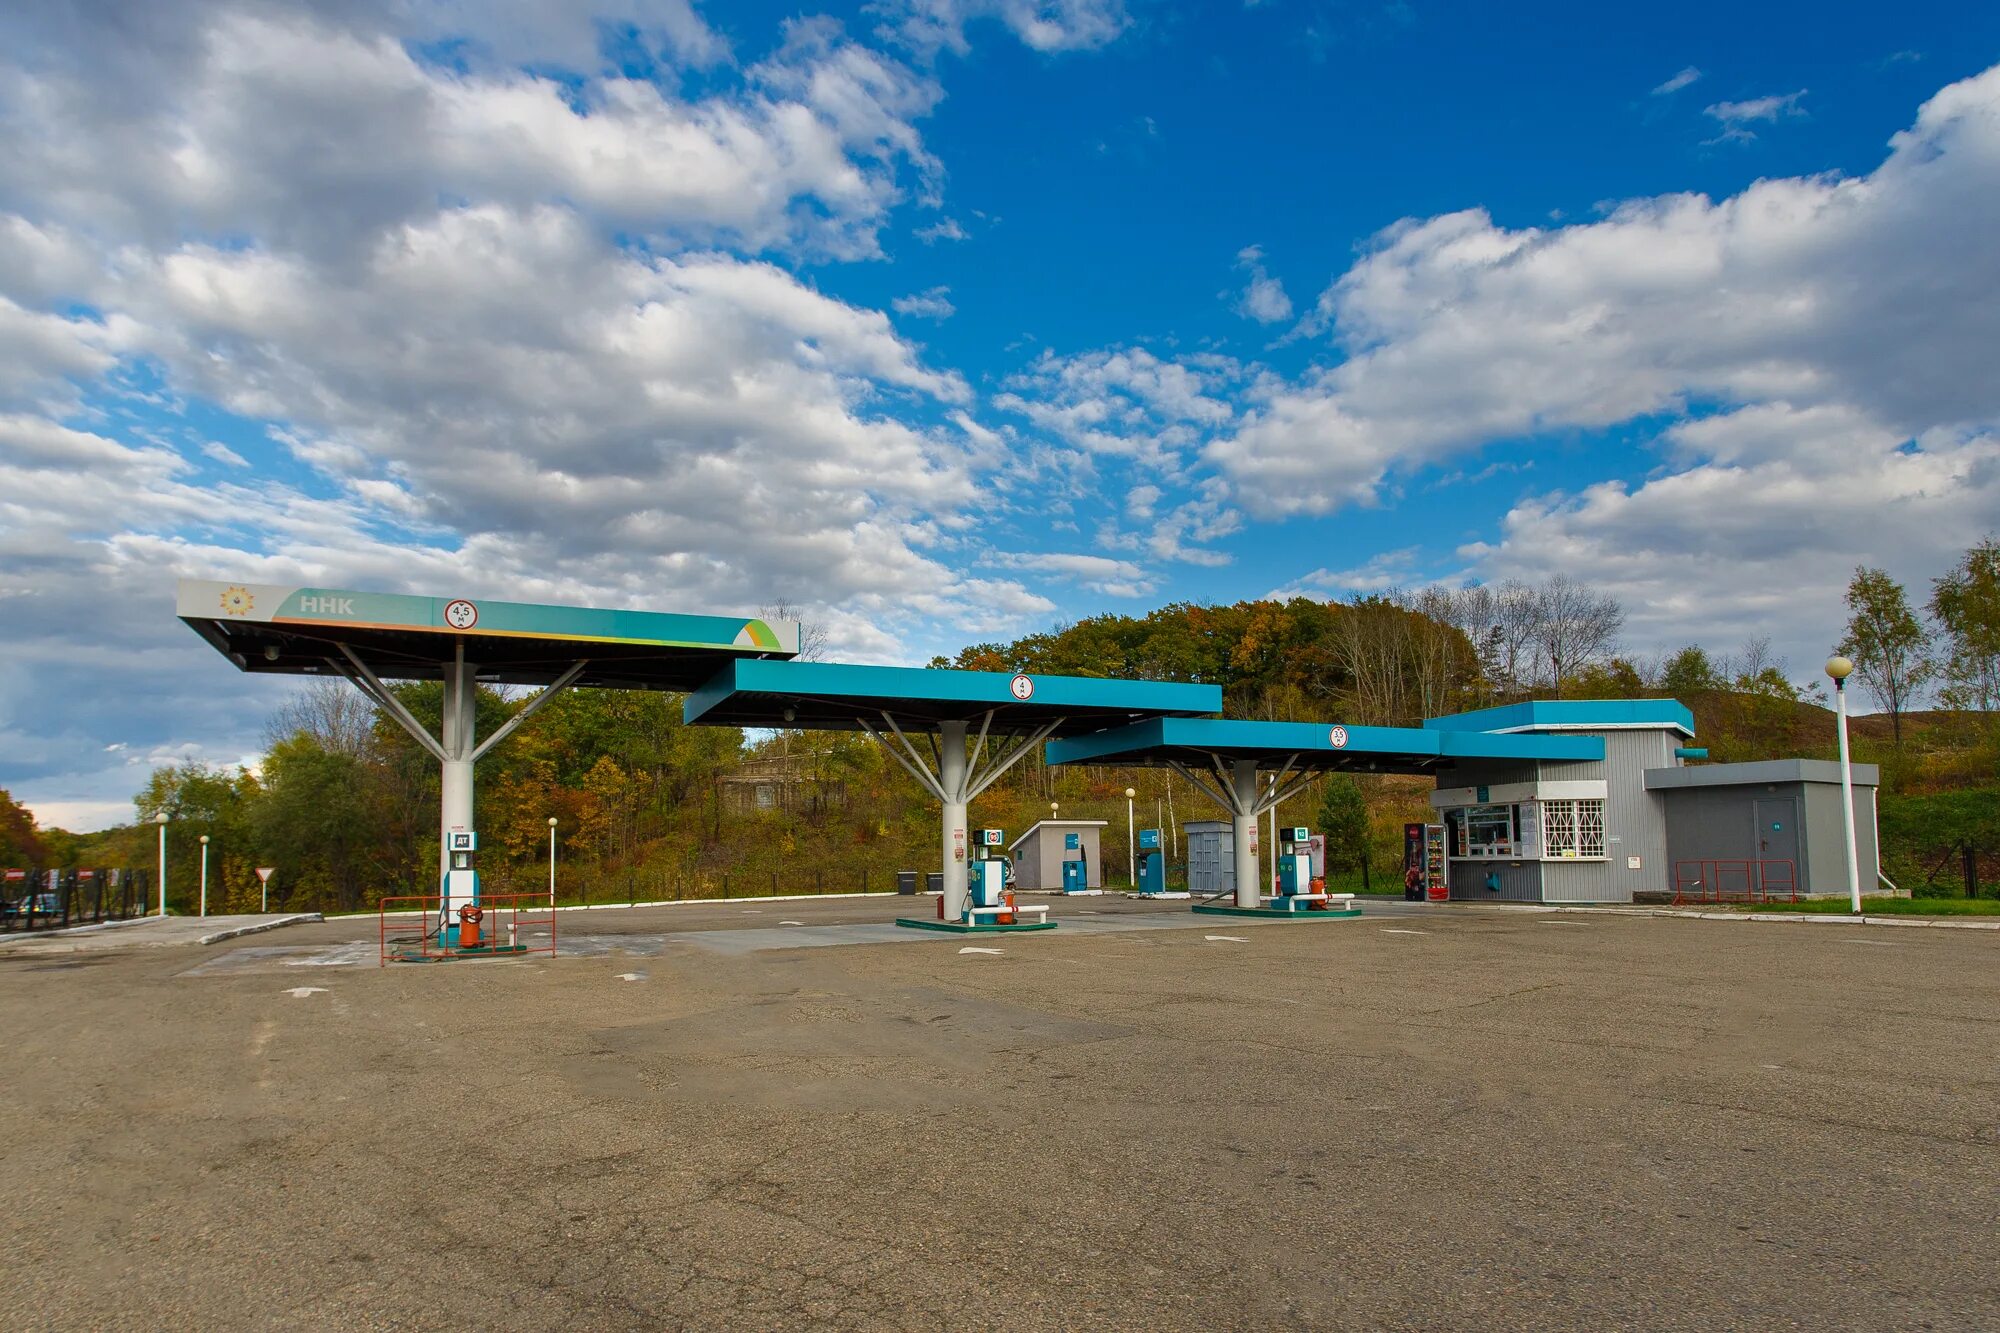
(932, 303)
(1736, 117)
(1264, 300)
(1873, 294)
(1677, 82)
(222, 453)
(1045, 25)
(1115, 578)
(947, 230)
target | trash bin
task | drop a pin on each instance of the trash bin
(906, 881)
(934, 882)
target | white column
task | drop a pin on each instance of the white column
(1243, 796)
(1847, 803)
(951, 778)
(455, 779)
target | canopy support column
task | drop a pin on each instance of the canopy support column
(952, 768)
(1243, 816)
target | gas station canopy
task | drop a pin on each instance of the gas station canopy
(837, 696)
(1309, 747)
(294, 630)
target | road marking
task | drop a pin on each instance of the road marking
(631, 976)
(791, 923)
(300, 992)
(971, 949)
(1891, 943)
(1395, 930)
(753, 911)
(1562, 923)
(1227, 939)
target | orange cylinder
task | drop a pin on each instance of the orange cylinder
(469, 918)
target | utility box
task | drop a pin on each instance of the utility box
(1782, 814)
(1039, 855)
(1211, 857)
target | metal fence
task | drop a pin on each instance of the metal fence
(43, 898)
(1735, 881)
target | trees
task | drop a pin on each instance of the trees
(20, 842)
(1689, 672)
(1573, 627)
(1889, 645)
(1965, 602)
(1343, 821)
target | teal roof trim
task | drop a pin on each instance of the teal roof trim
(1380, 749)
(832, 694)
(1573, 715)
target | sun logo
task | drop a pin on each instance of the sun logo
(237, 601)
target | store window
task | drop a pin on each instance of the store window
(1487, 830)
(1573, 830)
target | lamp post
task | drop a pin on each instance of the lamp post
(552, 861)
(1131, 844)
(1840, 669)
(161, 820)
(204, 874)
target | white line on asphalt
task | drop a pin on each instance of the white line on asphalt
(300, 992)
(973, 949)
(791, 923)
(1392, 930)
(1562, 923)
(631, 976)
(1891, 943)
(1227, 939)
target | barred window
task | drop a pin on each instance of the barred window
(1573, 829)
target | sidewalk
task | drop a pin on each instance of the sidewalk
(149, 932)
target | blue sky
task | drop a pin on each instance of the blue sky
(951, 319)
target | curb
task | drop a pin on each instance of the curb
(303, 918)
(678, 902)
(1784, 918)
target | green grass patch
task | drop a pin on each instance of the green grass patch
(1884, 906)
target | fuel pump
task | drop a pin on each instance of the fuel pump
(1294, 863)
(1152, 865)
(460, 913)
(989, 870)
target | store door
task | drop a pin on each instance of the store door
(1777, 840)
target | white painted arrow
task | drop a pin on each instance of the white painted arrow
(300, 992)
(1228, 939)
(973, 949)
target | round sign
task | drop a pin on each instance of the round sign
(461, 614)
(1337, 738)
(1021, 688)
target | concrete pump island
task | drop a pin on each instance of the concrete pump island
(1507, 1096)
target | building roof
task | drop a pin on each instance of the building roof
(1573, 715)
(1041, 824)
(1758, 773)
(1311, 746)
(291, 630)
(837, 695)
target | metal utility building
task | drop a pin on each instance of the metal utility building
(1039, 853)
(1734, 827)
(370, 637)
(966, 711)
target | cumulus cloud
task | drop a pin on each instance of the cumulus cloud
(1871, 293)
(1264, 300)
(932, 303)
(1114, 578)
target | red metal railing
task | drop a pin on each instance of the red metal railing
(512, 923)
(1740, 880)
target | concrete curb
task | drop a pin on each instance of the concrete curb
(303, 918)
(1787, 918)
(72, 932)
(680, 902)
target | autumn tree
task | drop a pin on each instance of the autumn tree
(20, 842)
(1889, 646)
(1966, 604)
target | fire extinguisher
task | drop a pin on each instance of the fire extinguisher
(469, 917)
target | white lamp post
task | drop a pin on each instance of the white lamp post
(552, 861)
(1131, 843)
(1840, 669)
(204, 874)
(161, 820)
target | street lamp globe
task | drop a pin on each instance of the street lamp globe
(1130, 793)
(1840, 668)
(160, 818)
(552, 821)
(204, 840)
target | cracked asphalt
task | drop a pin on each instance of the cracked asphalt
(1426, 1118)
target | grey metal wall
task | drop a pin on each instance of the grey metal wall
(1039, 856)
(1520, 881)
(1720, 823)
(1823, 840)
(1635, 822)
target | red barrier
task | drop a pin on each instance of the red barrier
(1735, 880)
(510, 925)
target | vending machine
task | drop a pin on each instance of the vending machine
(1424, 878)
